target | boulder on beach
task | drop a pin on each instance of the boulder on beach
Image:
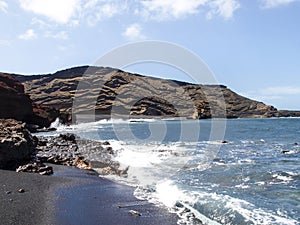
(16, 144)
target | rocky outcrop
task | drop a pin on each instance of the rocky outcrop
(288, 113)
(15, 104)
(117, 93)
(71, 150)
(16, 144)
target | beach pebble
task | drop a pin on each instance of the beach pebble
(21, 190)
(179, 205)
(134, 213)
(105, 143)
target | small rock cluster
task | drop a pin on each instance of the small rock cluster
(23, 152)
(36, 168)
(71, 150)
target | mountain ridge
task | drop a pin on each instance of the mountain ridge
(138, 95)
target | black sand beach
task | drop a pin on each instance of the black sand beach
(72, 196)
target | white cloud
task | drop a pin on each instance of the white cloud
(62, 35)
(41, 23)
(178, 9)
(60, 11)
(223, 8)
(98, 10)
(134, 32)
(275, 3)
(3, 6)
(28, 35)
(170, 9)
(72, 12)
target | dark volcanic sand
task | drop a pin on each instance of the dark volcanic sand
(35, 205)
(73, 196)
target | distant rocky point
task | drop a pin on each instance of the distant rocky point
(119, 93)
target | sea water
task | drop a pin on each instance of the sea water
(248, 175)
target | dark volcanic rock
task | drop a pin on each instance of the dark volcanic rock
(15, 104)
(16, 144)
(71, 150)
(36, 168)
(119, 93)
(287, 113)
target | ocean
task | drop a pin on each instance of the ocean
(237, 171)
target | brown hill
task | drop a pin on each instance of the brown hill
(109, 92)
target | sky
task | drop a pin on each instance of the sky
(252, 46)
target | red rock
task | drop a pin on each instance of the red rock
(15, 104)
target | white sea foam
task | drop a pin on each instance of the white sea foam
(169, 194)
(151, 162)
(282, 178)
(55, 124)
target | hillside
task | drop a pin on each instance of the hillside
(106, 91)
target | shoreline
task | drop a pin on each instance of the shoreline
(73, 196)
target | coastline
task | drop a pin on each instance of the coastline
(73, 196)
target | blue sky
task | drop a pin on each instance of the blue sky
(252, 46)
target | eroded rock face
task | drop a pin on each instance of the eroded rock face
(124, 94)
(16, 144)
(15, 104)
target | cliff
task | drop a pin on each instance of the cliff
(120, 93)
(15, 104)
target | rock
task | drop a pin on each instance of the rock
(36, 168)
(134, 213)
(65, 116)
(110, 150)
(68, 137)
(71, 150)
(179, 204)
(123, 173)
(105, 143)
(21, 190)
(288, 113)
(42, 115)
(114, 170)
(50, 129)
(15, 104)
(81, 163)
(16, 144)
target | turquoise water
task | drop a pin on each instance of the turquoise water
(252, 178)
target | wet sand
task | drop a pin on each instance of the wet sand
(73, 196)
